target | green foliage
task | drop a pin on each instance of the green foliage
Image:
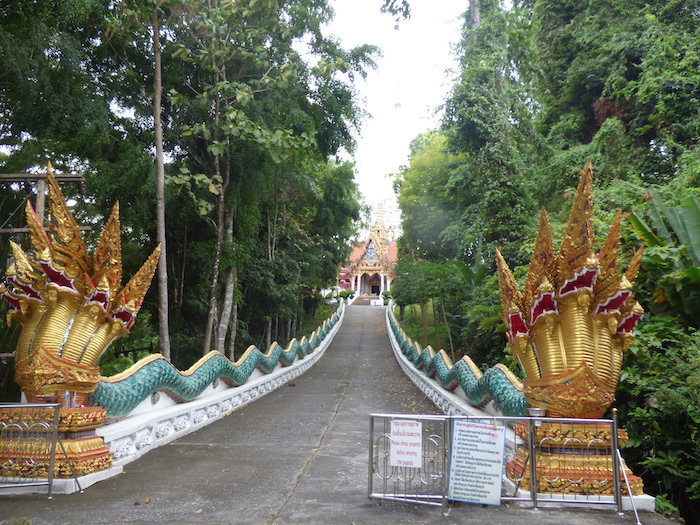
(672, 259)
(312, 322)
(425, 203)
(487, 123)
(541, 88)
(456, 290)
(659, 402)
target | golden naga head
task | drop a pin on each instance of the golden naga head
(572, 323)
(70, 304)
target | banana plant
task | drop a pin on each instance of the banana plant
(673, 240)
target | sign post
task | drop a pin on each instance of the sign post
(476, 466)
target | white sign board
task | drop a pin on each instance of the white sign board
(476, 466)
(406, 448)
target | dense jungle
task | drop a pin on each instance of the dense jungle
(219, 125)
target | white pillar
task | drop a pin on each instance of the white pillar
(381, 283)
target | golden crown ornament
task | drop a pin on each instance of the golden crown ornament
(571, 324)
(70, 304)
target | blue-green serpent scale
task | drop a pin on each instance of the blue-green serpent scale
(497, 383)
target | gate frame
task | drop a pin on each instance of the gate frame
(512, 442)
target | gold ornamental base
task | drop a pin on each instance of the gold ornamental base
(30, 458)
(577, 436)
(571, 459)
(26, 439)
(76, 419)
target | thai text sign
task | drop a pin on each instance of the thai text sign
(406, 443)
(476, 466)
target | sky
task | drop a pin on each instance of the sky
(408, 86)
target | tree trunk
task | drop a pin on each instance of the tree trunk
(436, 324)
(163, 331)
(268, 336)
(234, 320)
(180, 289)
(475, 15)
(206, 347)
(447, 327)
(209, 328)
(424, 316)
(228, 299)
(226, 309)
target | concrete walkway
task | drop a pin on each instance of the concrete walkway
(296, 456)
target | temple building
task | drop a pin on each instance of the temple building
(369, 269)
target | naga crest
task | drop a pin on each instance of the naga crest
(571, 324)
(70, 303)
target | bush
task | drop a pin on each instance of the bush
(659, 405)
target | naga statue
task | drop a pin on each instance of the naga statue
(569, 328)
(71, 306)
(572, 323)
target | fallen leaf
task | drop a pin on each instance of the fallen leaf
(147, 500)
(225, 470)
(199, 511)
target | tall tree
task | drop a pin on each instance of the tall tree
(428, 210)
(131, 18)
(486, 121)
(163, 305)
(245, 59)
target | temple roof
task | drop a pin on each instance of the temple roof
(358, 250)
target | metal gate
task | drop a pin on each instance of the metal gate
(427, 482)
(424, 485)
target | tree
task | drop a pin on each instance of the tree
(487, 123)
(134, 16)
(249, 70)
(428, 210)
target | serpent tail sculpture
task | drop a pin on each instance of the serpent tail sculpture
(497, 383)
(121, 393)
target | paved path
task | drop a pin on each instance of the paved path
(296, 456)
